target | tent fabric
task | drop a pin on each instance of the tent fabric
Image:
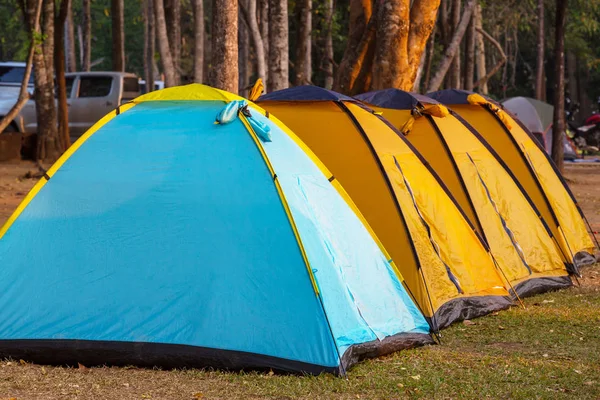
(535, 172)
(446, 266)
(486, 189)
(304, 92)
(164, 238)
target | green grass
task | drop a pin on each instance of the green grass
(550, 350)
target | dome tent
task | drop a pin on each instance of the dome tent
(512, 139)
(485, 188)
(164, 238)
(445, 264)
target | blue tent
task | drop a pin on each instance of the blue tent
(189, 229)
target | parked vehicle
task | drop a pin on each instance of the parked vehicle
(91, 95)
(158, 85)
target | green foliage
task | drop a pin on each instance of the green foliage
(14, 43)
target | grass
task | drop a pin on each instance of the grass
(550, 350)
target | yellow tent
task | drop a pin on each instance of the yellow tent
(518, 237)
(532, 167)
(446, 265)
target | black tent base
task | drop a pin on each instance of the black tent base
(93, 353)
(463, 308)
(535, 286)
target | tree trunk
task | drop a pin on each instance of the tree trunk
(455, 67)
(469, 69)
(558, 124)
(417, 84)
(430, 54)
(70, 42)
(87, 36)
(173, 18)
(354, 72)
(571, 83)
(163, 45)
(451, 51)
(198, 41)
(303, 63)
(263, 15)
(278, 45)
(243, 53)
(328, 60)
(250, 16)
(118, 35)
(539, 67)
(224, 73)
(480, 49)
(149, 44)
(34, 30)
(59, 65)
(423, 14)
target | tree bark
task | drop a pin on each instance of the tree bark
(469, 69)
(499, 64)
(224, 73)
(453, 48)
(243, 53)
(328, 61)
(539, 67)
(59, 65)
(34, 32)
(149, 44)
(171, 78)
(249, 11)
(423, 14)
(70, 42)
(173, 18)
(303, 63)
(87, 36)
(430, 54)
(558, 124)
(198, 41)
(263, 15)
(480, 49)
(278, 45)
(354, 72)
(118, 35)
(455, 67)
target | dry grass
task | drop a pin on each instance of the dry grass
(549, 350)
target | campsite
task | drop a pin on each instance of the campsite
(281, 199)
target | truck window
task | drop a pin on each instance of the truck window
(69, 85)
(95, 86)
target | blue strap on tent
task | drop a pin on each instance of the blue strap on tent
(232, 110)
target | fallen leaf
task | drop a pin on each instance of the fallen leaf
(44, 371)
(501, 327)
(469, 323)
(126, 385)
(22, 362)
(198, 395)
(416, 377)
(400, 385)
(544, 355)
(577, 372)
(548, 301)
(589, 383)
(81, 366)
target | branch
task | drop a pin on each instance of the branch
(500, 63)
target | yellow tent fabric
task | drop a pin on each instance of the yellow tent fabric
(517, 235)
(445, 264)
(532, 169)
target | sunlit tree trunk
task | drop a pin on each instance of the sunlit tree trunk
(328, 61)
(171, 78)
(87, 36)
(243, 52)
(149, 43)
(173, 18)
(480, 50)
(454, 73)
(250, 16)
(263, 16)
(224, 72)
(198, 41)
(278, 45)
(59, 65)
(558, 125)
(469, 67)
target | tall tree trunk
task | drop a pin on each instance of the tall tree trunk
(451, 51)
(171, 78)
(149, 44)
(455, 67)
(469, 68)
(33, 22)
(303, 63)
(423, 14)
(558, 124)
(59, 65)
(539, 66)
(224, 73)
(243, 52)
(87, 36)
(417, 84)
(328, 58)
(118, 35)
(571, 70)
(278, 45)
(354, 72)
(248, 9)
(480, 49)
(173, 18)
(198, 41)
(263, 15)
(430, 54)
(70, 42)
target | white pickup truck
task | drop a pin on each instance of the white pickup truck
(91, 95)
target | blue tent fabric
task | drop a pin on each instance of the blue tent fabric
(163, 240)
(451, 96)
(395, 98)
(306, 93)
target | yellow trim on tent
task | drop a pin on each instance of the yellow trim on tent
(59, 163)
(191, 92)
